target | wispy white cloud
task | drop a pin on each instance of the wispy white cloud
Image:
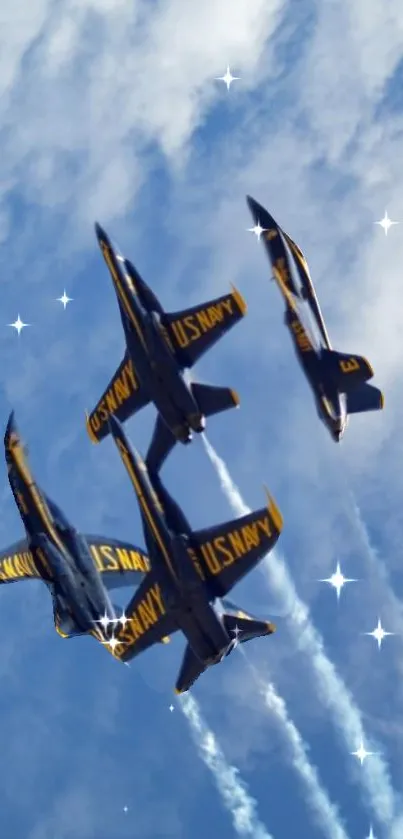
(80, 137)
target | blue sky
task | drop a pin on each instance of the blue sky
(110, 111)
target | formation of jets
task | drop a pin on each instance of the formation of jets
(182, 578)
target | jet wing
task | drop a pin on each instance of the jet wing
(148, 621)
(275, 239)
(274, 244)
(119, 563)
(308, 291)
(17, 563)
(224, 554)
(192, 332)
(123, 397)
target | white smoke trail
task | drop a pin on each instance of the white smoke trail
(373, 774)
(232, 789)
(325, 813)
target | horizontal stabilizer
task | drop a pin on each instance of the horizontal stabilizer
(194, 331)
(244, 628)
(190, 671)
(213, 400)
(364, 398)
(228, 551)
(346, 371)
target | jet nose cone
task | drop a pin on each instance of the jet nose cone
(100, 233)
(11, 420)
(10, 429)
(255, 208)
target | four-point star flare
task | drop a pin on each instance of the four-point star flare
(337, 580)
(379, 633)
(362, 753)
(123, 620)
(64, 299)
(386, 223)
(228, 78)
(105, 621)
(236, 631)
(257, 230)
(18, 324)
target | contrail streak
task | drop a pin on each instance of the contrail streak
(232, 789)
(325, 813)
(373, 774)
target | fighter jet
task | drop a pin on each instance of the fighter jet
(78, 570)
(189, 571)
(339, 381)
(159, 348)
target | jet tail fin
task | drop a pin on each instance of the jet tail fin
(213, 400)
(190, 671)
(162, 443)
(243, 627)
(346, 371)
(364, 398)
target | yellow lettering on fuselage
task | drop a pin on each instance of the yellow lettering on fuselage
(111, 558)
(192, 327)
(122, 388)
(224, 550)
(18, 565)
(301, 336)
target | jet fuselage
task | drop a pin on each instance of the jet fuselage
(174, 564)
(330, 403)
(60, 553)
(153, 359)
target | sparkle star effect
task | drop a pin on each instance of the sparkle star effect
(18, 324)
(64, 299)
(125, 809)
(123, 620)
(113, 642)
(257, 230)
(361, 754)
(171, 708)
(105, 621)
(228, 78)
(379, 633)
(386, 223)
(337, 580)
(236, 632)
